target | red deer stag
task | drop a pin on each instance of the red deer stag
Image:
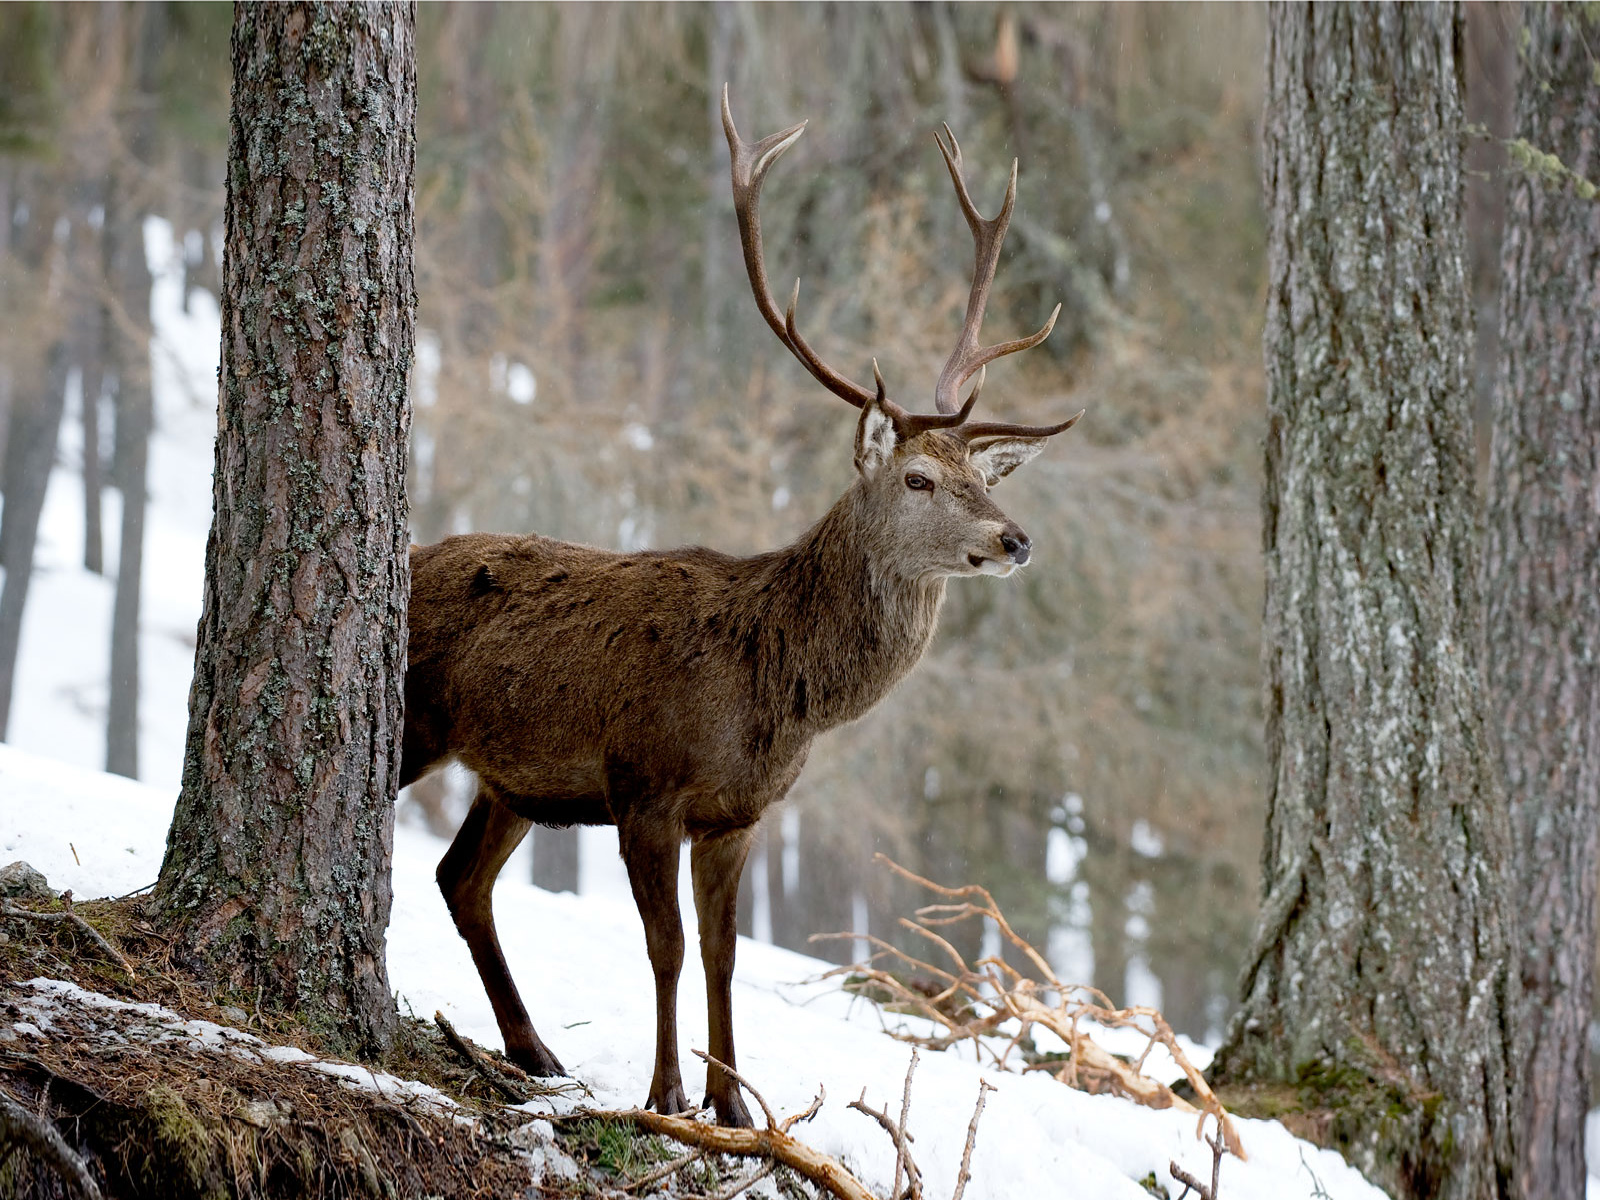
(675, 693)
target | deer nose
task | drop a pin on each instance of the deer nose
(1016, 545)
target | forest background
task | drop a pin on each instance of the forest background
(1085, 738)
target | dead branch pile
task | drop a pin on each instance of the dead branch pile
(995, 1007)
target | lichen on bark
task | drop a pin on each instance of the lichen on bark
(1382, 949)
(277, 866)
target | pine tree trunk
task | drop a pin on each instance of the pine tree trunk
(1379, 977)
(277, 867)
(1542, 587)
(128, 277)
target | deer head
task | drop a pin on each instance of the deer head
(923, 478)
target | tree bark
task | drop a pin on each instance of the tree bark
(277, 866)
(1380, 973)
(1542, 587)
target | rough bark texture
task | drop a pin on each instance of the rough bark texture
(277, 867)
(1542, 586)
(1380, 967)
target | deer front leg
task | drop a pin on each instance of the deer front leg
(466, 876)
(715, 864)
(650, 850)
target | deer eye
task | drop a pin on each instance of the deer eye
(919, 483)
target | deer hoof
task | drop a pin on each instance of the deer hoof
(536, 1060)
(669, 1102)
(731, 1111)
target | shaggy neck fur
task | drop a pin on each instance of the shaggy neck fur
(836, 626)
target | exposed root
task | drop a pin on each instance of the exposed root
(484, 1069)
(973, 1003)
(71, 918)
(19, 1128)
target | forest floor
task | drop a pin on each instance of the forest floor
(582, 963)
(167, 1089)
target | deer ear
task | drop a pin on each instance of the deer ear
(999, 458)
(875, 438)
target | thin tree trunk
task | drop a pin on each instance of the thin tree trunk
(89, 353)
(30, 455)
(1542, 583)
(555, 859)
(128, 276)
(33, 426)
(277, 866)
(1380, 970)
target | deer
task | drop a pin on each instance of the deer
(675, 694)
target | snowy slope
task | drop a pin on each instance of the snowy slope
(582, 964)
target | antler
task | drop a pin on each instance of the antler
(968, 357)
(750, 163)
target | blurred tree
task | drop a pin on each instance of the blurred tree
(1381, 966)
(1542, 584)
(277, 866)
(136, 42)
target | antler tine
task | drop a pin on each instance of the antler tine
(750, 163)
(988, 235)
(908, 425)
(990, 429)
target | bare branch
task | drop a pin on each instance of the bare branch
(984, 1088)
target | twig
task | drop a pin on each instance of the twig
(1190, 1183)
(18, 1125)
(984, 1088)
(772, 1122)
(71, 918)
(661, 1173)
(902, 1142)
(484, 1070)
(900, 1149)
(745, 1184)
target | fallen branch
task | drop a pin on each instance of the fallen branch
(975, 1002)
(480, 1066)
(71, 918)
(19, 1127)
(769, 1143)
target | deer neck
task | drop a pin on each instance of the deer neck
(838, 627)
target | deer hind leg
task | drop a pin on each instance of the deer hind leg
(716, 863)
(466, 876)
(650, 850)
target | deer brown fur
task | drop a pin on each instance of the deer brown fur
(675, 694)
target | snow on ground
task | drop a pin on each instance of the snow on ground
(582, 965)
(45, 1002)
